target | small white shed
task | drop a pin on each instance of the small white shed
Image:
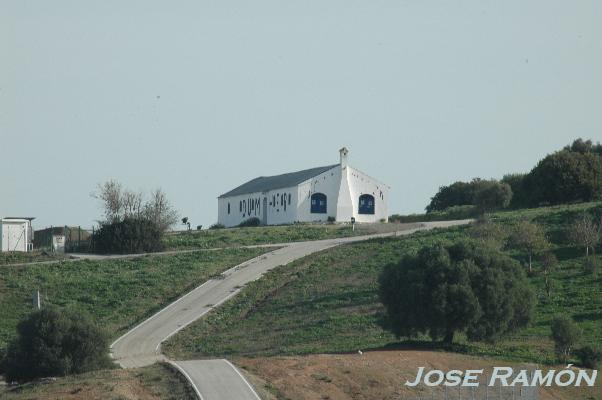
(17, 234)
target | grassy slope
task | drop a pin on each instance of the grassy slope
(264, 235)
(17, 257)
(328, 302)
(158, 381)
(117, 293)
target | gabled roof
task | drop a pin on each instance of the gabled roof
(265, 183)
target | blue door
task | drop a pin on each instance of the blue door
(366, 204)
(318, 203)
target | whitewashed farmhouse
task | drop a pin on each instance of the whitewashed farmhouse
(338, 191)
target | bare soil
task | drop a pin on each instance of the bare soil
(372, 375)
(157, 382)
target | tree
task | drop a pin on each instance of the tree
(566, 334)
(487, 232)
(548, 263)
(520, 193)
(530, 238)
(492, 195)
(110, 194)
(118, 204)
(585, 232)
(159, 211)
(456, 194)
(463, 287)
(52, 342)
(564, 177)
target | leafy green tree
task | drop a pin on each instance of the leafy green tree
(566, 334)
(564, 177)
(584, 146)
(53, 342)
(530, 238)
(456, 194)
(492, 195)
(520, 193)
(463, 287)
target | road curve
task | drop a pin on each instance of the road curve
(218, 379)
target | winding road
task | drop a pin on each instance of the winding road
(219, 379)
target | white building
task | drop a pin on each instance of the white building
(338, 191)
(17, 234)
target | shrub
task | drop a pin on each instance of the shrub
(589, 356)
(217, 226)
(566, 334)
(331, 219)
(464, 287)
(565, 176)
(254, 221)
(53, 342)
(128, 236)
(492, 195)
(488, 233)
(199, 227)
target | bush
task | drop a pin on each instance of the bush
(217, 226)
(464, 287)
(565, 176)
(331, 219)
(254, 221)
(589, 356)
(566, 334)
(53, 342)
(492, 195)
(129, 236)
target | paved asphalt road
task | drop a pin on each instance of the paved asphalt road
(218, 379)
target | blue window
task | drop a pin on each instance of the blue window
(366, 204)
(318, 203)
(228, 208)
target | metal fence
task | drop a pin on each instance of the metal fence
(70, 239)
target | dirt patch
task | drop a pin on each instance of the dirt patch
(372, 375)
(149, 383)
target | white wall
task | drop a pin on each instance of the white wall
(360, 183)
(14, 235)
(277, 212)
(327, 183)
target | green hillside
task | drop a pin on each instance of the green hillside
(328, 302)
(116, 292)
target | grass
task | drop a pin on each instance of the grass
(158, 381)
(328, 303)
(18, 257)
(249, 236)
(117, 293)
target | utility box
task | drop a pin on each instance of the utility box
(16, 234)
(58, 243)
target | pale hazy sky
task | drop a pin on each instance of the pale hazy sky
(199, 96)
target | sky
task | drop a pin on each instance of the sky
(197, 97)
